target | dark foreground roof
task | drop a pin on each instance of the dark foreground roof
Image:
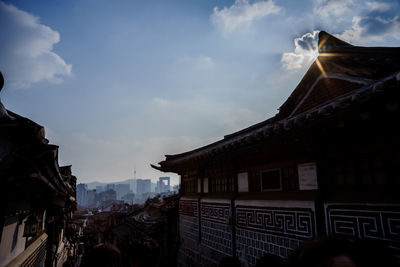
(343, 75)
(27, 158)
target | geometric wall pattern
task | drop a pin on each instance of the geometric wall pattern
(216, 233)
(365, 222)
(288, 222)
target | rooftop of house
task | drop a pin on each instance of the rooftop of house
(26, 152)
(339, 77)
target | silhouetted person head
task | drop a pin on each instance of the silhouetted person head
(329, 252)
(143, 254)
(229, 262)
(323, 253)
(102, 255)
(270, 260)
(373, 253)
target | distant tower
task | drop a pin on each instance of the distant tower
(134, 173)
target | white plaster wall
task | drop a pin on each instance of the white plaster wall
(277, 203)
(189, 198)
(216, 200)
(205, 185)
(9, 249)
(243, 182)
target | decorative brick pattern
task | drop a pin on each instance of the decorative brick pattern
(252, 245)
(295, 223)
(259, 230)
(189, 227)
(215, 232)
(376, 222)
(216, 236)
(188, 220)
(215, 212)
(365, 221)
(188, 208)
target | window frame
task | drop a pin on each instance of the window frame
(280, 179)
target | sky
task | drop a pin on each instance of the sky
(119, 84)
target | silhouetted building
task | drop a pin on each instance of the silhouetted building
(91, 198)
(81, 195)
(132, 184)
(122, 190)
(143, 186)
(110, 187)
(161, 186)
(100, 189)
(129, 198)
(175, 188)
(327, 164)
(37, 195)
(106, 197)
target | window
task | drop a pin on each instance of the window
(284, 178)
(271, 180)
(189, 186)
(366, 171)
(222, 184)
(395, 162)
(255, 181)
(189, 182)
(290, 178)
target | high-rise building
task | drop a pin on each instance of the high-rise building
(122, 190)
(143, 186)
(110, 187)
(91, 198)
(132, 184)
(153, 187)
(129, 198)
(161, 186)
(106, 196)
(100, 189)
(81, 195)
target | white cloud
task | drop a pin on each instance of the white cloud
(369, 29)
(378, 6)
(328, 8)
(242, 13)
(26, 49)
(305, 52)
(371, 21)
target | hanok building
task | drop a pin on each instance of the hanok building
(327, 164)
(37, 196)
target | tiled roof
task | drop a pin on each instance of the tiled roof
(25, 147)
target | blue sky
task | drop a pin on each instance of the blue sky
(118, 84)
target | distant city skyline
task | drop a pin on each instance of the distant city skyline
(132, 191)
(118, 85)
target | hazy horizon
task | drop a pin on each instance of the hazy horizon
(123, 180)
